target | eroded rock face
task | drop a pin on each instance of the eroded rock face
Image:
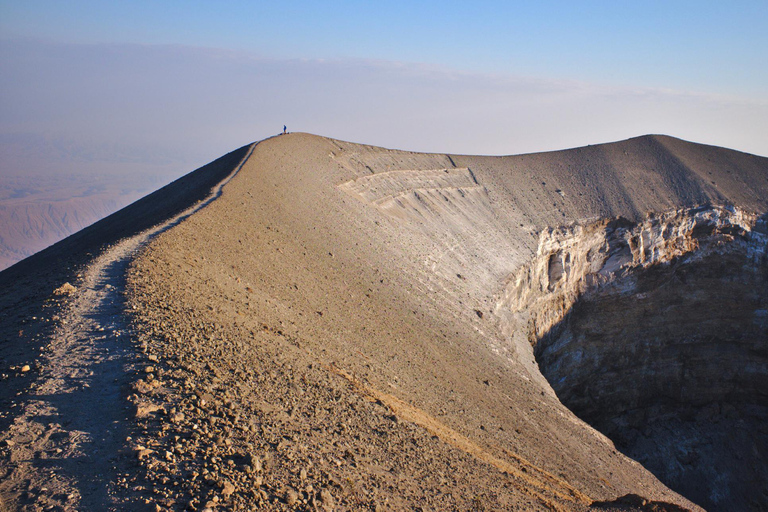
(656, 334)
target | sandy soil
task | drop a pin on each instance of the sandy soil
(324, 335)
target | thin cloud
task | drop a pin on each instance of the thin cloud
(160, 105)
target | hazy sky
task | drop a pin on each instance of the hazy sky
(171, 85)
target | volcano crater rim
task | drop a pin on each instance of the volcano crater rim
(656, 334)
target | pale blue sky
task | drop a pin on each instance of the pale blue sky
(702, 46)
(174, 84)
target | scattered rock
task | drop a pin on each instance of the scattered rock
(227, 489)
(254, 462)
(145, 409)
(142, 452)
(291, 497)
(143, 386)
(65, 289)
(326, 498)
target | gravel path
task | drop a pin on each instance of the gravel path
(67, 444)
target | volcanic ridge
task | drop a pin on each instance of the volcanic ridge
(312, 324)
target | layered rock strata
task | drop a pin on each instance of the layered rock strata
(656, 333)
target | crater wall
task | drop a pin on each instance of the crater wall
(656, 333)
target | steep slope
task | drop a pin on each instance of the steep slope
(339, 329)
(656, 333)
(327, 261)
(54, 350)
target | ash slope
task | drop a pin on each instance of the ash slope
(324, 333)
(330, 271)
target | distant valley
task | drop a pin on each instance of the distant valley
(38, 211)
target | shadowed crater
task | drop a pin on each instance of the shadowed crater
(656, 334)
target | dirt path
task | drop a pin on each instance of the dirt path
(67, 444)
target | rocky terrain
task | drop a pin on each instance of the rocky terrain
(656, 333)
(345, 327)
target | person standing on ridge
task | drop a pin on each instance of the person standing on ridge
(284, 130)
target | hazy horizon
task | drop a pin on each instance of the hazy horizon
(148, 92)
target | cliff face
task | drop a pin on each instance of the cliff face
(656, 333)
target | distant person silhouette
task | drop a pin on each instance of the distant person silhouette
(284, 130)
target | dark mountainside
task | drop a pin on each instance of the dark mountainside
(352, 327)
(27, 303)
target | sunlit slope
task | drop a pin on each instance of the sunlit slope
(386, 267)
